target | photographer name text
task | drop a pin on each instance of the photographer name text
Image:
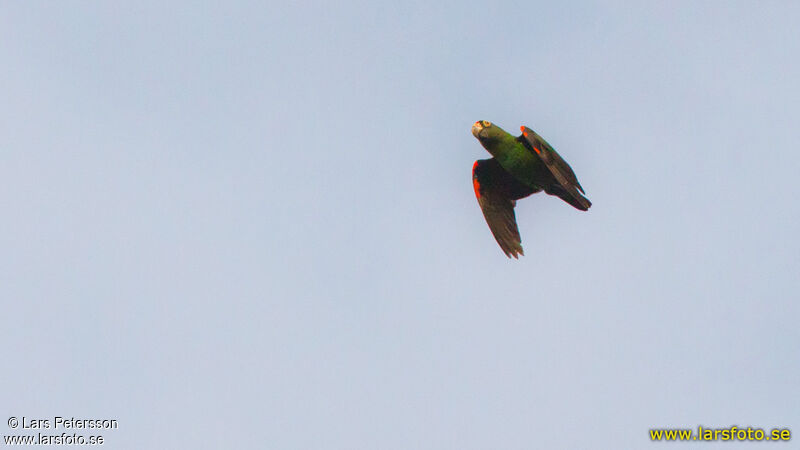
(66, 423)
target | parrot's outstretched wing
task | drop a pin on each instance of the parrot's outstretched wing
(497, 192)
(569, 185)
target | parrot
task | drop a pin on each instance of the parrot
(520, 166)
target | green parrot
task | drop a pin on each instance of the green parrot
(521, 166)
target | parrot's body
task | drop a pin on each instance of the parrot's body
(521, 166)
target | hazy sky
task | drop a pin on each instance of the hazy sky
(252, 225)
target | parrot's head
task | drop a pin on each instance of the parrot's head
(486, 131)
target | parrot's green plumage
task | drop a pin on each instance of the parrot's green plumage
(521, 166)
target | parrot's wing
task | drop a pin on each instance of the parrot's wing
(558, 167)
(491, 188)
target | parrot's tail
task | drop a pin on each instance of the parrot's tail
(579, 202)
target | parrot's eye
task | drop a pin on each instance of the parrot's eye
(486, 123)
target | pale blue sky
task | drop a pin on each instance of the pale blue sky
(252, 225)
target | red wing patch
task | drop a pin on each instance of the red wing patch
(525, 133)
(477, 186)
(475, 183)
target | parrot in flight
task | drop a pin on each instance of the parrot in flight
(520, 166)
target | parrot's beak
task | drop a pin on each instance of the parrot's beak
(477, 128)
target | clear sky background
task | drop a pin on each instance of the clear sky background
(252, 225)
